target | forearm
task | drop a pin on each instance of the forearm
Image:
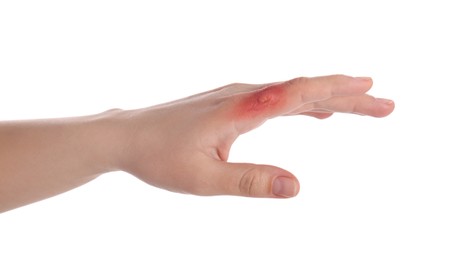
(42, 158)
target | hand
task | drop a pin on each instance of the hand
(183, 146)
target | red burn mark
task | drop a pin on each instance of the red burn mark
(264, 102)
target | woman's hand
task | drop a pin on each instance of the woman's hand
(183, 146)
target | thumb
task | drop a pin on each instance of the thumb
(251, 180)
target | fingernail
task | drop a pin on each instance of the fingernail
(284, 187)
(385, 101)
(364, 79)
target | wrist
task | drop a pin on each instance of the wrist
(109, 139)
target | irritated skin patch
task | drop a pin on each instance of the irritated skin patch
(262, 103)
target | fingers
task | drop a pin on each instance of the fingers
(254, 107)
(322, 88)
(250, 180)
(363, 105)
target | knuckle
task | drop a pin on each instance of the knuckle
(250, 183)
(299, 81)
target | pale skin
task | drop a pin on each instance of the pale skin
(181, 146)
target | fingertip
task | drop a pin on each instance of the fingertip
(252, 180)
(285, 187)
(364, 83)
(386, 106)
(364, 79)
(384, 101)
(347, 86)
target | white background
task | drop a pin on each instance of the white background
(389, 188)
